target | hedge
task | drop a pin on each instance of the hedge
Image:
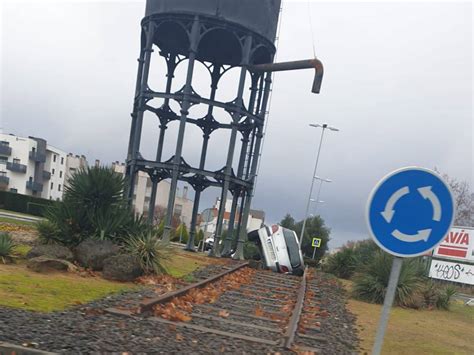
(23, 203)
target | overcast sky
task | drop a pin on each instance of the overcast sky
(397, 83)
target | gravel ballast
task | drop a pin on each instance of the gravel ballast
(88, 329)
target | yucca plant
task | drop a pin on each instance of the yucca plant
(7, 247)
(93, 207)
(445, 296)
(371, 284)
(149, 251)
(48, 232)
(95, 188)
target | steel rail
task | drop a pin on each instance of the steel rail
(148, 304)
(295, 316)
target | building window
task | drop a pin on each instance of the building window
(3, 173)
(13, 190)
(33, 149)
(60, 174)
(3, 160)
(59, 187)
(178, 209)
(62, 160)
(52, 171)
(72, 170)
(5, 143)
(16, 161)
(54, 157)
(52, 185)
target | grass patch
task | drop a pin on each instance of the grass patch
(17, 222)
(25, 289)
(412, 331)
(21, 250)
(183, 263)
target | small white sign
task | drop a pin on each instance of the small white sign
(452, 271)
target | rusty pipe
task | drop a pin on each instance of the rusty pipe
(295, 65)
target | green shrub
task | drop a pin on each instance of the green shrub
(199, 237)
(24, 203)
(371, 284)
(251, 251)
(341, 264)
(311, 262)
(7, 247)
(149, 251)
(48, 232)
(180, 232)
(161, 228)
(93, 206)
(445, 296)
(364, 251)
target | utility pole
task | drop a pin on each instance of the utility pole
(324, 127)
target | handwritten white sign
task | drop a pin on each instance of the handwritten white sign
(452, 271)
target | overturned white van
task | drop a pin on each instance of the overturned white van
(280, 249)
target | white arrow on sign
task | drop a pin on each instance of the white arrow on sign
(429, 195)
(389, 211)
(423, 234)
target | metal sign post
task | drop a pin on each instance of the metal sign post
(408, 213)
(387, 304)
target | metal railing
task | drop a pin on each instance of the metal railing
(4, 180)
(34, 186)
(5, 149)
(16, 167)
(37, 157)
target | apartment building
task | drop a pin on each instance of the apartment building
(30, 166)
(208, 218)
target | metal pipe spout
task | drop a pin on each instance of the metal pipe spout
(295, 65)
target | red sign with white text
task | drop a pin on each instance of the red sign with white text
(458, 244)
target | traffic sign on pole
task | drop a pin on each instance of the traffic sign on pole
(316, 242)
(408, 213)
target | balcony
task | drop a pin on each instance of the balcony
(37, 157)
(4, 180)
(5, 149)
(46, 175)
(34, 186)
(16, 167)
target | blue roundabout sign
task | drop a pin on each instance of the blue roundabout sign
(410, 211)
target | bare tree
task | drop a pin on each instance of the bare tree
(464, 200)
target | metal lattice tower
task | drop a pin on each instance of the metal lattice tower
(221, 34)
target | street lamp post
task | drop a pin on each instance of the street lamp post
(324, 127)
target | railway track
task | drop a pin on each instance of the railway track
(242, 304)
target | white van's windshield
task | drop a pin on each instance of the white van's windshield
(292, 247)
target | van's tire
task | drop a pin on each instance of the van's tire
(253, 236)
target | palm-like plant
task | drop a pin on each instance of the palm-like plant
(371, 284)
(149, 251)
(7, 247)
(93, 206)
(95, 188)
